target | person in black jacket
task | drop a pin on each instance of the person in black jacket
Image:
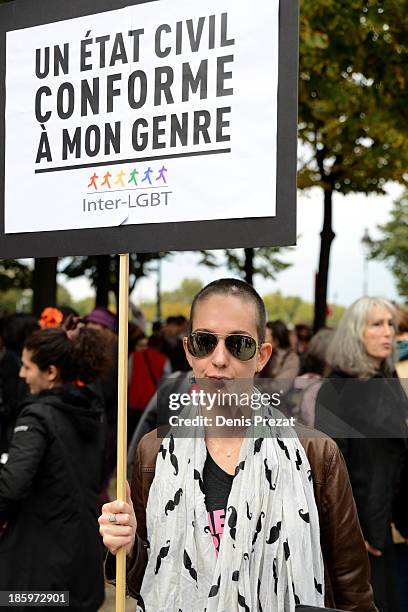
(364, 408)
(13, 331)
(51, 481)
(9, 384)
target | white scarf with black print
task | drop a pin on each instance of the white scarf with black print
(269, 557)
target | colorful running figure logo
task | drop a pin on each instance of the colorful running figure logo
(133, 177)
(161, 175)
(106, 179)
(93, 181)
(147, 174)
(128, 179)
(119, 178)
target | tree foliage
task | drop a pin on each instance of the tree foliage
(16, 299)
(264, 261)
(292, 309)
(103, 271)
(14, 274)
(184, 294)
(247, 263)
(352, 104)
(169, 309)
(353, 94)
(393, 246)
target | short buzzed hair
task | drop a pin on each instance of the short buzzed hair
(236, 288)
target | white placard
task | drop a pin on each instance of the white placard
(159, 112)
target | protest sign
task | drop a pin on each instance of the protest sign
(147, 126)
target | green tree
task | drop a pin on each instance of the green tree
(292, 309)
(393, 246)
(15, 300)
(352, 102)
(103, 271)
(14, 274)
(64, 298)
(248, 262)
(20, 275)
(84, 306)
(275, 306)
(264, 261)
(184, 294)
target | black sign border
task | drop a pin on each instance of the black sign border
(181, 236)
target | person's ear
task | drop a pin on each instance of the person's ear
(264, 354)
(52, 373)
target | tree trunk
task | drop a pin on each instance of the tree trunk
(249, 266)
(158, 291)
(327, 235)
(103, 281)
(44, 283)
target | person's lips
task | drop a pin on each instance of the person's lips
(217, 382)
(386, 346)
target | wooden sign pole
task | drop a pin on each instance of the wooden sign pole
(122, 417)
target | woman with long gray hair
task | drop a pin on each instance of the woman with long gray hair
(364, 408)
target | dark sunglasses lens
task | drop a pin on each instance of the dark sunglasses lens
(201, 344)
(241, 347)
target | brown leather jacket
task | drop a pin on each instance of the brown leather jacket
(344, 553)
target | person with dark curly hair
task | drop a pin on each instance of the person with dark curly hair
(50, 484)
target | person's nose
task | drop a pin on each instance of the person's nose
(220, 355)
(21, 372)
(391, 329)
(388, 330)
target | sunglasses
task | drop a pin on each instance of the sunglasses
(201, 344)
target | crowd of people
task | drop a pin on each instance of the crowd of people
(213, 522)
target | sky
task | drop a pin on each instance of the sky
(351, 215)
